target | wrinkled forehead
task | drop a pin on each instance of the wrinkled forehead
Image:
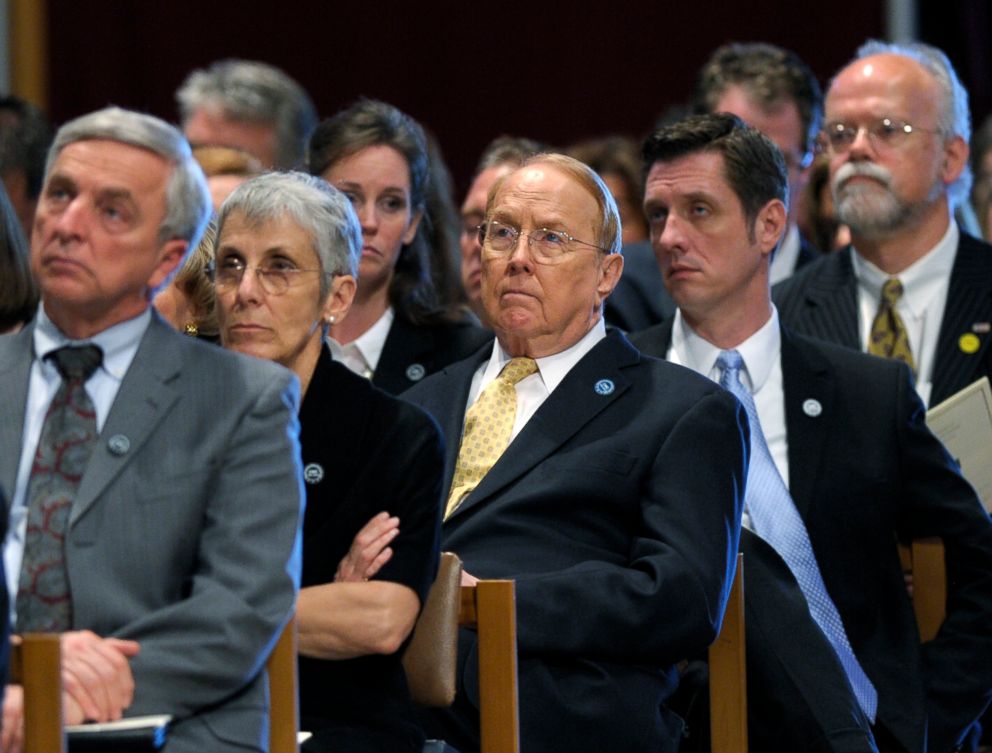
(540, 195)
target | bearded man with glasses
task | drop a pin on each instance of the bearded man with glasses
(912, 286)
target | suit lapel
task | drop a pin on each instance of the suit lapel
(831, 302)
(15, 373)
(144, 398)
(404, 353)
(808, 416)
(446, 402)
(969, 302)
(574, 403)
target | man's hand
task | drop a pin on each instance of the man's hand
(12, 738)
(96, 676)
(369, 551)
(468, 580)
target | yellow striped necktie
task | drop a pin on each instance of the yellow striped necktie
(488, 425)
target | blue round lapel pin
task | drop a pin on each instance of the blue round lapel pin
(812, 408)
(415, 372)
(604, 387)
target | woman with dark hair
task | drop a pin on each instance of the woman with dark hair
(18, 291)
(397, 331)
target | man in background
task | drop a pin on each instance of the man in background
(250, 106)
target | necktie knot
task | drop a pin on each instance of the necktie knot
(892, 291)
(730, 362)
(517, 369)
(77, 362)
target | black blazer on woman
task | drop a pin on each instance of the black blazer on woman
(364, 452)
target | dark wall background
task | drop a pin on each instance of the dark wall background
(469, 72)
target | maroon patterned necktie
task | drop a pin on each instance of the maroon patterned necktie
(44, 602)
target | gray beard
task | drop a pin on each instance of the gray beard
(872, 211)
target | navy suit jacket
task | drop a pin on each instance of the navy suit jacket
(865, 472)
(822, 301)
(621, 548)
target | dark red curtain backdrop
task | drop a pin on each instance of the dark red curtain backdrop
(468, 71)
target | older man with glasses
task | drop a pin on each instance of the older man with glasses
(605, 483)
(912, 286)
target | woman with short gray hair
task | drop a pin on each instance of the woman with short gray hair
(286, 254)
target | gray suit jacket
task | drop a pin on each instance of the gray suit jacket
(187, 540)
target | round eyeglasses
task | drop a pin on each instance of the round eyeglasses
(883, 134)
(499, 240)
(275, 276)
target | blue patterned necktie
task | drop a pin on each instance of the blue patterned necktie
(776, 519)
(44, 601)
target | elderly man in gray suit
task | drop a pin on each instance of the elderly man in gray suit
(155, 480)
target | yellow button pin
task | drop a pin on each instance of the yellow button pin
(969, 343)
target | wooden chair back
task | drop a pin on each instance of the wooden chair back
(283, 692)
(924, 559)
(728, 675)
(35, 665)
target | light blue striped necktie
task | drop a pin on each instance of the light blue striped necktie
(776, 519)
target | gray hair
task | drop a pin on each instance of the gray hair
(253, 92)
(953, 116)
(187, 198)
(317, 207)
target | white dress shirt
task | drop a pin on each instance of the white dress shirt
(119, 344)
(924, 283)
(362, 354)
(761, 374)
(533, 390)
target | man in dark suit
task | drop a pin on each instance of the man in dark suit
(773, 90)
(846, 434)
(897, 135)
(596, 503)
(178, 557)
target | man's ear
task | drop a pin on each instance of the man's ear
(955, 159)
(170, 257)
(769, 225)
(610, 273)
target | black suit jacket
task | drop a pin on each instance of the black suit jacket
(620, 547)
(865, 472)
(822, 301)
(412, 351)
(364, 452)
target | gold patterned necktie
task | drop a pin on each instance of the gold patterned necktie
(488, 425)
(888, 336)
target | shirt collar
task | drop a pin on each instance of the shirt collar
(552, 369)
(118, 343)
(371, 342)
(760, 351)
(921, 280)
